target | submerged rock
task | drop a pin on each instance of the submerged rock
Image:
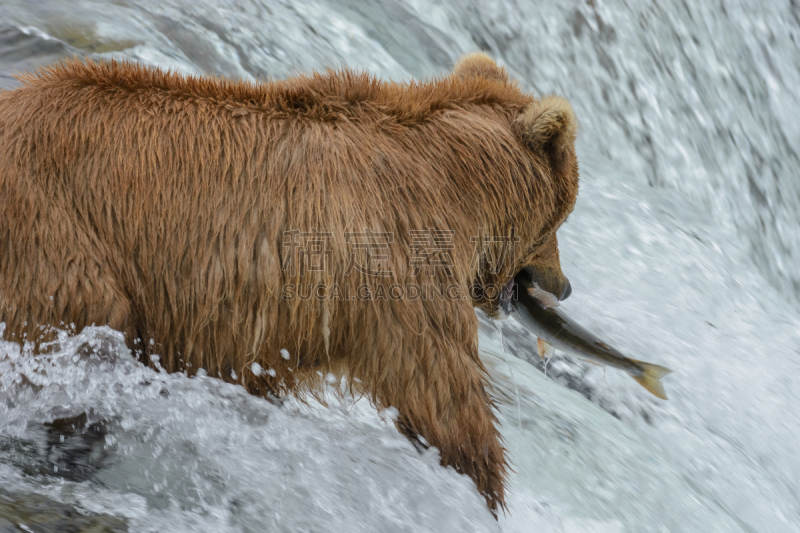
(39, 514)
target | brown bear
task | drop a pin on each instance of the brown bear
(274, 233)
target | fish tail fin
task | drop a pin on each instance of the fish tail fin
(650, 378)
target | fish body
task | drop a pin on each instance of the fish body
(557, 330)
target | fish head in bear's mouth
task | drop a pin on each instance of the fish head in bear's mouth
(548, 286)
(547, 279)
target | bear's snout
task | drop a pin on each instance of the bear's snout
(567, 290)
(548, 279)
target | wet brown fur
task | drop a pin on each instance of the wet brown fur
(157, 203)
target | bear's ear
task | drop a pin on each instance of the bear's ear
(548, 127)
(481, 65)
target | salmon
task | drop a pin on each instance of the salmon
(555, 330)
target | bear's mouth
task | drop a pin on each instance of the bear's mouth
(509, 293)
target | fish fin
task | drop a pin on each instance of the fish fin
(651, 378)
(545, 350)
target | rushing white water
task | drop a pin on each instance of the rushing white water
(684, 250)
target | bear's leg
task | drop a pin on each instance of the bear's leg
(439, 389)
(52, 275)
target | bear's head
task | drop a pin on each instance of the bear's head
(546, 128)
